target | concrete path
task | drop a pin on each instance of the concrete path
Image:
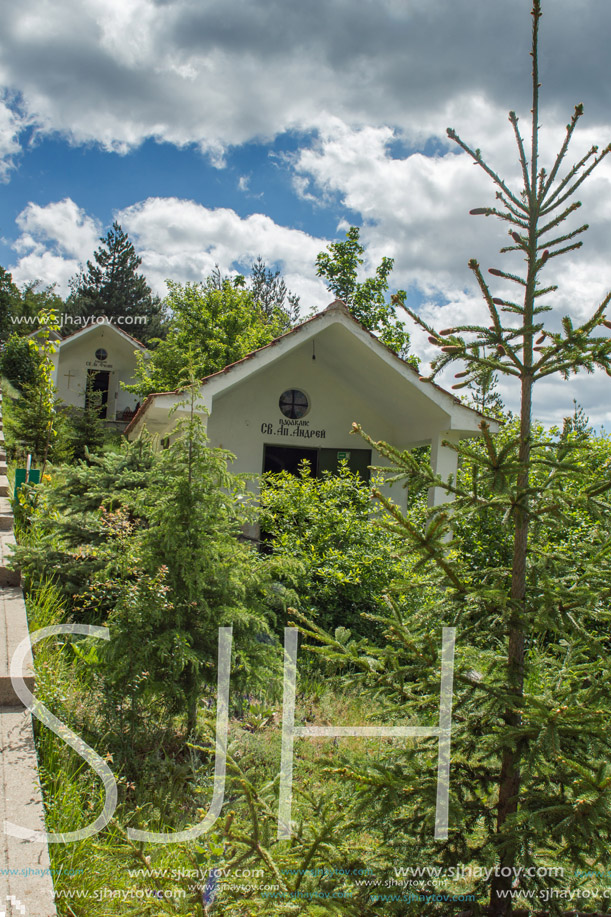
(26, 886)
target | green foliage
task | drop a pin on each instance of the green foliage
(338, 562)
(270, 292)
(127, 527)
(112, 286)
(212, 324)
(8, 295)
(339, 265)
(20, 308)
(193, 508)
(87, 870)
(525, 578)
(86, 428)
(66, 540)
(33, 423)
(483, 394)
(19, 362)
(565, 797)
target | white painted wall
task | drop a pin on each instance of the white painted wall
(241, 418)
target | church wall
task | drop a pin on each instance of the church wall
(74, 359)
(248, 417)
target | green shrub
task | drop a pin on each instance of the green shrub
(339, 561)
(19, 362)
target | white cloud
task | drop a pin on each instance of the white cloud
(221, 72)
(183, 240)
(45, 267)
(11, 125)
(415, 208)
(62, 223)
(55, 240)
(176, 239)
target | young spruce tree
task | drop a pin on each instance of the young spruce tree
(530, 783)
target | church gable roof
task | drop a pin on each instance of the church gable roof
(106, 325)
(335, 314)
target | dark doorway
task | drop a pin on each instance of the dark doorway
(98, 381)
(286, 458)
(358, 461)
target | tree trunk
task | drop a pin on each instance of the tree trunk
(509, 777)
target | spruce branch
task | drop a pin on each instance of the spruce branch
(431, 542)
(578, 344)
(543, 291)
(565, 238)
(493, 212)
(475, 267)
(513, 118)
(519, 218)
(497, 272)
(570, 191)
(559, 219)
(476, 156)
(563, 150)
(563, 251)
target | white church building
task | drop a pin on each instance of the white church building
(103, 355)
(297, 398)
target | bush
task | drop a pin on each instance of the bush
(19, 362)
(341, 564)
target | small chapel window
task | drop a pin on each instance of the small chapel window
(294, 403)
(101, 354)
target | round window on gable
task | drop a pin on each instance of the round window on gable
(294, 403)
(101, 354)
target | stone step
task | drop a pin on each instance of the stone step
(4, 486)
(6, 515)
(3, 467)
(13, 629)
(2, 456)
(8, 577)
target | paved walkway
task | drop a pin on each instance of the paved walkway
(26, 887)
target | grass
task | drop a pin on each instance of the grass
(172, 790)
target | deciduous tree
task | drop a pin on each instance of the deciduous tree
(366, 299)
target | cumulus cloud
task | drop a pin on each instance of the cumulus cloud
(11, 125)
(176, 239)
(55, 240)
(222, 72)
(415, 208)
(183, 240)
(375, 83)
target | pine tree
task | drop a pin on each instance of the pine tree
(195, 512)
(527, 350)
(112, 286)
(530, 771)
(272, 295)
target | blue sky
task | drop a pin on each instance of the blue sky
(219, 131)
(103, 182)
